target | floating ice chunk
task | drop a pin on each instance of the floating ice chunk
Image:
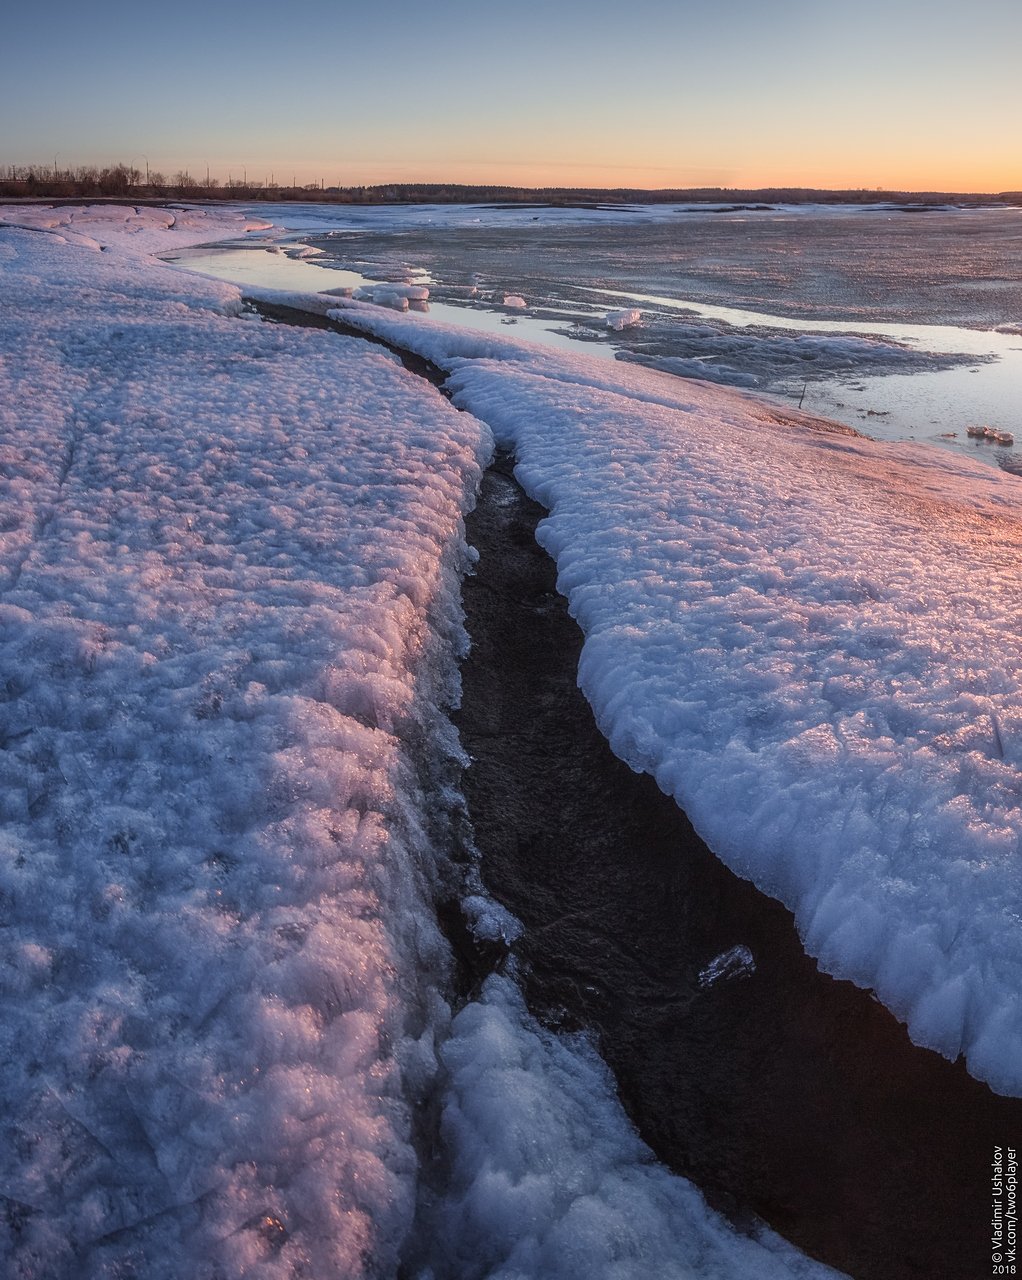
(413, 292)
(737, 962)
(626, 319)
(389, 298)
(396, 297)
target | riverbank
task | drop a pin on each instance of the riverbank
(124, 182)
(229, 627)
(784, 1094)
(778, 1090)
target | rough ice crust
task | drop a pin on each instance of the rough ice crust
(229, 574)
(228, 617)
(812, 641)
(135, 230)
(548, 1178)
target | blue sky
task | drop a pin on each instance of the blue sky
(650, 93)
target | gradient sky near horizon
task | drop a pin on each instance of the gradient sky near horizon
(650, 93)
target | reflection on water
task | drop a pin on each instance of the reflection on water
(896, 386)
(266, 269)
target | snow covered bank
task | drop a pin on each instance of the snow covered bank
(134, 229)
(550, 1180)
(812, 641)
(229, 573)
(229, 621)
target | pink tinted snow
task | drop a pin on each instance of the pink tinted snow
(811, 640)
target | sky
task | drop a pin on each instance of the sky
(648, 93)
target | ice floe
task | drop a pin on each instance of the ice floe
(395, 296)
(626, 319)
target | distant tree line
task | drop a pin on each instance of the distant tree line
(117, 181)
(124, 181)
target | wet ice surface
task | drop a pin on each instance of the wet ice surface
(878, 318)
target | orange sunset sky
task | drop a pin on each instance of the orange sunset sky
(652, 94)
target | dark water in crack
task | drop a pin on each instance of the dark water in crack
(783, 1093)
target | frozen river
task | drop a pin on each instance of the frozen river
(903, 325)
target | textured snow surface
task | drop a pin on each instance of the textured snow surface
(229, 574)
(813, 641)
(229, 618)
(135, 229)
(550, 1180)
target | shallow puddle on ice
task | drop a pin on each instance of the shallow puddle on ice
(268, 269)
(263, 267)
(932, 407)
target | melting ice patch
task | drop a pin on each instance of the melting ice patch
(549, 1179)
(138, 229)
(763, 357)
(736, 962)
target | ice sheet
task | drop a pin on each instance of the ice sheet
(229, 574)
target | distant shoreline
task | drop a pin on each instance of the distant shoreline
(122, 184)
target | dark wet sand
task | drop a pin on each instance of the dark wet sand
(786, 1093)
